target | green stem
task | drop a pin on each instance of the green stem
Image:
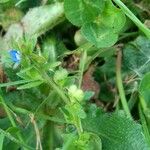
(82, 67)
(143, 103)
(48, 136)
(55, 87)
(127, 35)
(11, 119)
(139, 24)
(8, 112)
(79, 126)
(120, 85)
(64, 98)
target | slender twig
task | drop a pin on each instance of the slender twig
(120, 85)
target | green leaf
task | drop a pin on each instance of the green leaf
(72, 112)
(15, 83)
(30, 73)
(51, 66)
(112, 17)
(4, 1)
(101, 30)
(99, 34)
(69, 140)
(13, 130)
(30, 85)
(137, 56)
(88, 95)
(116, 131)
(1, 141)
(9, 136)
(27, 44)
(37, 58)
(95, 142)
(79, 12)
(86, 141)
(4, 122)
(49, 49)
(144, 87)
(26, 99)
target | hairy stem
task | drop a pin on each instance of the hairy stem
(56, 88)
(65, 99)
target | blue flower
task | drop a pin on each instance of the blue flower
(15, 56)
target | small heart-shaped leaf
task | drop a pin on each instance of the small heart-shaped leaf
(79, 12)
(112, 17)
(100, 35)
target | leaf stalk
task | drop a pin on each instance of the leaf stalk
(120, 85)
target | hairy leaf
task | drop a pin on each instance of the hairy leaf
(116, 131)
(40, 19)
(137, 56)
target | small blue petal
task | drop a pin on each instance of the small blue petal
(15, 56)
